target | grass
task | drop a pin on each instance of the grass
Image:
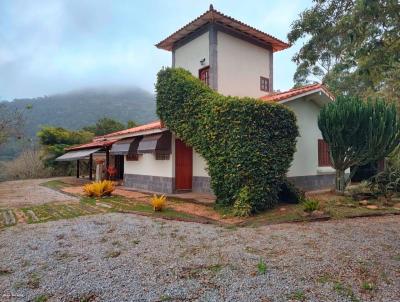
(90, 206)
(298, 295)
(41, 298)
(261, 267)
(55, 184)
(345, 291)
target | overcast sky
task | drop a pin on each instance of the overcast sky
(53, 46)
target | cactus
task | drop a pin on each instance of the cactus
(358, 132)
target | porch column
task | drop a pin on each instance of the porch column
(107, 162)
(77, 168)
(90, 166)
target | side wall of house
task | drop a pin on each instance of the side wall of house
(240, 66)
(304, 170)
(149, 174)
(189, 55)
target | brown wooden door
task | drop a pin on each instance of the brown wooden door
(183, 166)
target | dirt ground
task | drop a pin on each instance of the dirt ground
(21, 193)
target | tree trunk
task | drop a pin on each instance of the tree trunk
(340, 181)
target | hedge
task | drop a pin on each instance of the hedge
(247, 143)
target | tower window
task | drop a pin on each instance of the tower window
(264, 84)
(204, 75)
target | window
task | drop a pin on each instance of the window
(161, 156)
(204, 75)
(132, 157)
(324, 159)
(264, 84)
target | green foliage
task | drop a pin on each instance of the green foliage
(104, 126)
(11, 123)
(242, 206)
(55, 139)
(386, 183)
(352, 46)
(310, 205)
(358, 132)
(261, 267)
(246, 142)
(131, 124)
(289, 193)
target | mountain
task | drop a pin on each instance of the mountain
(76, 109)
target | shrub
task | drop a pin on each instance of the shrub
(242, 206)
(261, 267)
(310, 205)
(289, 193)
(386, 183)
(158, 202)
(245, 141)
(99, 188)
(27, 165)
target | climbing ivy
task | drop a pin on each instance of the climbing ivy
(247, 143)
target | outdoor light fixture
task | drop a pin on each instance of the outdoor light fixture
(203, 61)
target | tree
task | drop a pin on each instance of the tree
(131, 124)
(11, 123)
(104, 126)
(357, 133)
(352, 46)
(56, 139)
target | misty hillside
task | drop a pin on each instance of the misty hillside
(74, 110)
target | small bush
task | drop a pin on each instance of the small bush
(386, 183)
(158, 202)
(99, 188)
(242, 206)
(310, 205)
(289, 193)
(27, 165)
(261, 267)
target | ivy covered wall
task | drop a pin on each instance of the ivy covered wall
(248, 143)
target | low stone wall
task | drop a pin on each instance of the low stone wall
(201, 184)
(314, 182)
(150, 183)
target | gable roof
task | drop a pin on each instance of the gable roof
(296, 92)
(151, 126)
(94, 144)
(214, 16)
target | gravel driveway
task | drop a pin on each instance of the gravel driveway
(123, 257)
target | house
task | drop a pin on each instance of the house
(234, 59)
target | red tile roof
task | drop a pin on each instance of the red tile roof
(281, 96)
(214, 16)
(94, 144)
(150, 126)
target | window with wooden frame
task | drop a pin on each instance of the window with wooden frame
(324, 159)
(204, 75)
(162, 156)
(132, 157)
(264, 84)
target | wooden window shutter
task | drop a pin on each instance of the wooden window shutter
(324, 159)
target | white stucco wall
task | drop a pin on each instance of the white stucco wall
(189, 55)
(199, 165)
(148, 165)
(240, 65)
(306, 157)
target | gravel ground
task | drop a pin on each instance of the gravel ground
(21, 193)
(123, 257)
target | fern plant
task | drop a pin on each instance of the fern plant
(310, 205)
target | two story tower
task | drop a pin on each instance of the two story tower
(231, 57)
